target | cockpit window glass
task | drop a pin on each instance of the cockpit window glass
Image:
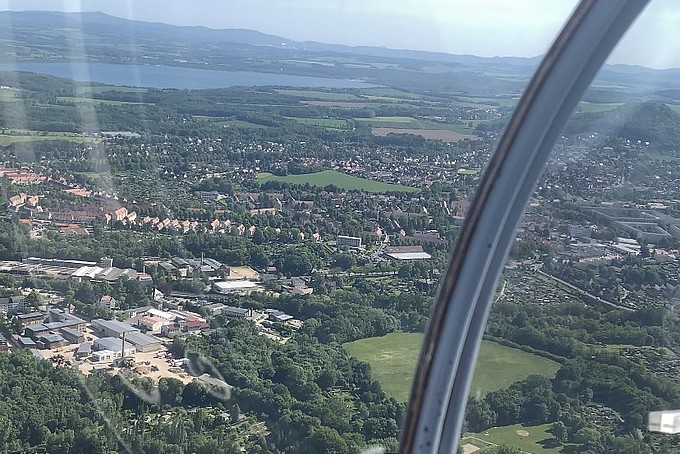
(225, 227)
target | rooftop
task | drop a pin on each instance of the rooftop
(111, 343)
(140, 339)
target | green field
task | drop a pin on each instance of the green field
(339, 179)
(391, 92)
(84, 100)
(393, 122)
(7, 139)
(414, 123)
(661, 157)
(598, 107)
(538, 440)
(103, 88)
(320, 95)
(393, 360)
(7, 94)
(334, 123)
(240, 124)
(492, 101)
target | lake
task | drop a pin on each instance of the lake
(173, 76)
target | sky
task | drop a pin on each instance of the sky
(523, 28)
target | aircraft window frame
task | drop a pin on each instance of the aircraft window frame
(436, 408)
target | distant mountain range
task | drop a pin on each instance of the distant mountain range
(98, 23)
(93, 36)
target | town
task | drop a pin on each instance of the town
(252, 269)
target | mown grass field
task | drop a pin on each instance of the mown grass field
(334, 123)
(492, 101)
(414, 123)
(598, 106)
(339, 179)
(321, 95)
(538, 440)
(7, 94)
(7, 139)
(83, 100)
(103, 88)
(393, 361)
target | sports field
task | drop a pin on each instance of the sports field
(393, 360)
(530, 439)
(339, 179)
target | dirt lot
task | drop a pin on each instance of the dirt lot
(439, 134)
(164, 365)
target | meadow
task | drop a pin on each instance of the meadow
(393, 361)
(530, 439)
(339, 179)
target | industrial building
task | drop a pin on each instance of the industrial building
(12, 305)
(112, 328)
(236, 286)
(84, 350)
(276, 315)
(237, 312)
(30, 318)
(152, 323)
(72, 335)
(142, 342)
(114, 345)
(343, 241)
(4, 345)
(406, 253)
(50, 341)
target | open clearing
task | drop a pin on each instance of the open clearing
(437, 134)
(84, 100)
(342, 104)
(382, 126)
(7, 94)
(339, 179)
(320, 95)
(7, 139)
(598, 106)
(393, 361)
(531, 439)
(334, 123)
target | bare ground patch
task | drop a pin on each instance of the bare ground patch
(469, 448)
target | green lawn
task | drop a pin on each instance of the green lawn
(652, 156)
(7, 94)
(414, 123)
(321, 95)
(538, 441)
(103, 88)
(334, 123)
(240, 124)
(391, 92)
(393, 360)
(339, 179)
(491, 101)
(598, 106)
(84, 100)
(6, 139)
(393, 122)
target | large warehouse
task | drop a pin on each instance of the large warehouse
(114, 344)
(142, 342)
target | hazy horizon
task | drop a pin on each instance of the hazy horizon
(485, 28)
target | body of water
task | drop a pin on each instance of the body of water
(173, 76)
